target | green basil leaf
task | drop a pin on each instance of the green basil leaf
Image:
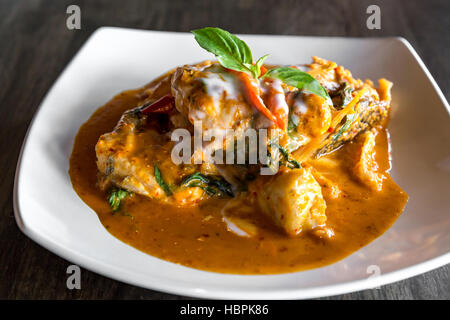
(196, 177)
(115, 198)
(232, 52)
(257, 67)
(161, 181)
(212, 185)
(348, 122)
(293, 122)
(300, 80)
(292, 163)
(346, 95)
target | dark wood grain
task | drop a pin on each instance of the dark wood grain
(35, 46)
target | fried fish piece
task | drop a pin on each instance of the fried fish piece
(128, 157)
(317, 127)
(292, 199)
(207, 92)
(366, 167)
(372, 108)
(120, 160)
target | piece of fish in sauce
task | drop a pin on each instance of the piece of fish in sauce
(292, 199)
(127, 158)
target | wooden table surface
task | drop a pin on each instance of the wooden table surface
(35, 46)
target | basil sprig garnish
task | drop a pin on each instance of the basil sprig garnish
(233, 53)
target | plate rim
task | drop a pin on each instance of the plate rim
(108, 271)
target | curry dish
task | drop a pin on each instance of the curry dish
(319, 191)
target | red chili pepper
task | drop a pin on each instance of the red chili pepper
(263, 71)
(252, 95)
(163, 105)
(277, 109)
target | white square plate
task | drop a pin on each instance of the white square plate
(48, 210)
